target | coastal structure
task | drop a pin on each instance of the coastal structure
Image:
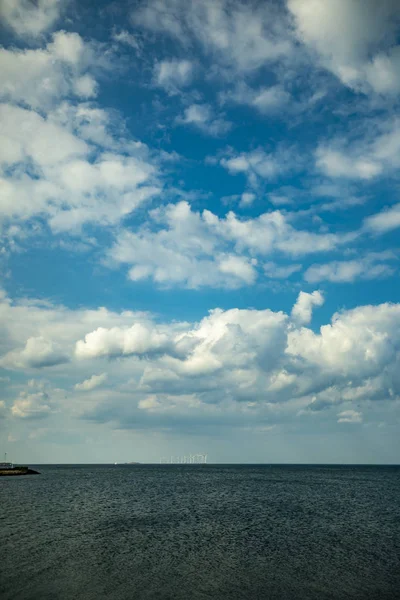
(6, 465)
(8, 468)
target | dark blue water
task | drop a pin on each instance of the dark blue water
(194, 532)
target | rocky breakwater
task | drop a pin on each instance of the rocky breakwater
(17, 470)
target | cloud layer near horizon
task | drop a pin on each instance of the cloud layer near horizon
(247, 365)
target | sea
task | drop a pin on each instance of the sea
(191, 532)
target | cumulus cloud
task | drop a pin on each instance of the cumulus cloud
(48, 170)
(242, 36)
(258, 165)
(266, 100)
(271, 231)
(233, 366)
(349, 416)
(200, 249)
(371, 266)
(201, 116)
(276, 271)
(357, 344)
(97, 126)
(182, 251)
(302, 310)
(222, 339)
(239, 266)
(93, 382)
(30, 18)
(246, 199)
(38, 352)
(64, 164)
(31, 406)
(36, 139)
(124, 37)
(3, 409)
(138, 339)
(375, 153)
(337, 164)
(85, 86)
(173, 74)
(260, 359)
(384, 221)
(42, 330)
(69, 166)
(37, 78)
(363, 52)
(257, 162)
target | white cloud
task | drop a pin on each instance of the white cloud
(26, 136)
(67, 163)
(268, 232)
(337, 164)
(42, 329)
(247, 199)
(105, 190)
(201, 116)
(53, 173)
(38, 433)
(31, 406)
(357, 344)
(259, 165)
(371, 266)
(138, 339)
(236, 366)
(266, 358)
(258, 161)
(238, 266)
(85, 87)
(173, 74)
(38, 352)
(124, 37)
(3, 409)
(200, 249)
(242, 36)
(362, 52)
(387, 220)
(302, 310)
(280, 272)
(338, 199)
(222, 339)
(375, 153)
(38, 78)
(349, 416)
(267, 100)
(93, 382)
(98, 126)
(30, 18)
(184, 252)
(280, 199)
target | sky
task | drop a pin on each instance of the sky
(199, 217)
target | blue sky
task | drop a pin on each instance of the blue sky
(199, 220)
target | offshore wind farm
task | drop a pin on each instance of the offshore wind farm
(189, 459)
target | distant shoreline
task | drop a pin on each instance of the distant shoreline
(217, 464)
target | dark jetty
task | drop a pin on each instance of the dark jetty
(18, 471)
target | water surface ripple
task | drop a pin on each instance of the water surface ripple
(191, 532)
